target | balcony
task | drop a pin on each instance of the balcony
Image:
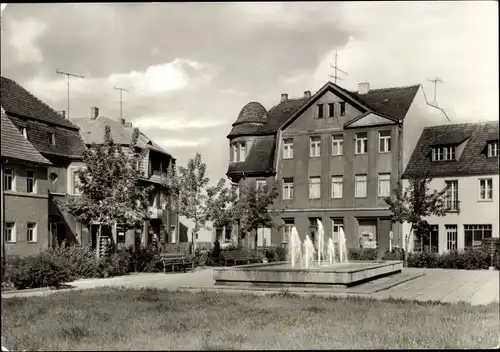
(157, 213)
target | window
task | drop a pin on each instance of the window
(314, 146)
(260, 183)
(337, 224)
(76, 182)
(263, 236)
(384, 185)
(320, 111)
(239, 151)
(31, 232)
(331, 110)
(337, 186)
(8, 179)
(486, 189)
(24, 132)
(384, 141)
(10, 232)
(313, 228)
(475, 234)
(452, 195)
(288, 148)
(443, 153)
(361, 143)
(288, 188)
(287, 230)
(53, 177)
(451, 237)
(427, 242)
(51, 138)
(337, 144)
(360, 183)
(120, 234)
(30, 181)
(492, 150)
(314, 187)
(342, 108)
(243, 151)
(235, 152)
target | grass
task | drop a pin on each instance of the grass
(148, 319)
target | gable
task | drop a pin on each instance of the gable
(308, 119)
(370, 119)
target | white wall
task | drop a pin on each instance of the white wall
(473, 211)
(206, 234)
(419, 115)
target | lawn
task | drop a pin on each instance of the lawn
(146, 319)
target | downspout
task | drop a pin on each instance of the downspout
(3, 217)
(400, 162)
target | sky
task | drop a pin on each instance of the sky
(189, 68)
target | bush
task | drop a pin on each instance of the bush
(469, 259)
(80, 260)
(423, 260)
(276, 254)
(496, 262)
(202, 257)
(146, 259)
(41, 270)
(363, 254)
(114, 265)
(395, 254)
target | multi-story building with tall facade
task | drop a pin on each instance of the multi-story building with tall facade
(57, 139)
(164, 223)
(463, 158)
(24, 193)
(333, 156)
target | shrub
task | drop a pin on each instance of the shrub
(115, 264)
(395, 254)
(202, 257)
(37, 271)
(469, 259)
(363, 254)
(146, 259)
(80, 260)
(496, 262)
(423, 260)
(276, 254)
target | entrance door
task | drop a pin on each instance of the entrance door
(368, 232)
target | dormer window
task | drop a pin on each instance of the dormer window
(443, 153)
(51, 137)
(493, 149)
(239, 152)
(24, 132)
(320, 111)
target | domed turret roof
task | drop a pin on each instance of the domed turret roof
(253, 112)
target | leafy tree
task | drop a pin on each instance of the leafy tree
(109, 187)
(255, 210)
(414, 203)
(191, 194)
(222, 203)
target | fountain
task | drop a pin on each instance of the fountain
(309, 266)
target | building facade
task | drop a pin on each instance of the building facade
(57, 140)
(462, 158)
(333, 156)
(164, 223)
(24, 193)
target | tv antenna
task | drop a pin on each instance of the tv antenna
(68, 75)
(435, 80)
(121, 100)
(337, 69)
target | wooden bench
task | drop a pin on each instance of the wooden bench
(179, 259)
(245, 257)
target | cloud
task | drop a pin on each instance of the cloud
(164, 123)
(180, 143)
(24, 34)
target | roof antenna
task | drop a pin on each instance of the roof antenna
(121, 101)
(68, 75)
(336, 68)
(435, 80)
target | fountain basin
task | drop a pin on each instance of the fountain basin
(323, 275)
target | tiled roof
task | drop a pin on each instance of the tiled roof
(18, 101)
(472, 161)
(260, 157)
(15, 146)
(92, 131)
(252, 112)
(393, 102)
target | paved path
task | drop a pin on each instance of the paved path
(473, 286)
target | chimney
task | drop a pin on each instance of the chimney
(307, 94)
(62, 113)
(363, 88)
(94, 112)
(284, 97)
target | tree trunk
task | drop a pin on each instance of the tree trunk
(240, 239)
(98, 244)
(407, 244)
(256, 242)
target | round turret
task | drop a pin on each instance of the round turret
(253, 112)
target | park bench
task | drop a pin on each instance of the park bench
(170, 260)
(245, 257)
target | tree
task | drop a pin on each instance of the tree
(109, 186)
(414, 203)
(221, 205)
(191, 193)
(255, 210)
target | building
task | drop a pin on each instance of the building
(58, 141)
(24, 193)
(464, 159)
(333, 155)
(164, 223)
